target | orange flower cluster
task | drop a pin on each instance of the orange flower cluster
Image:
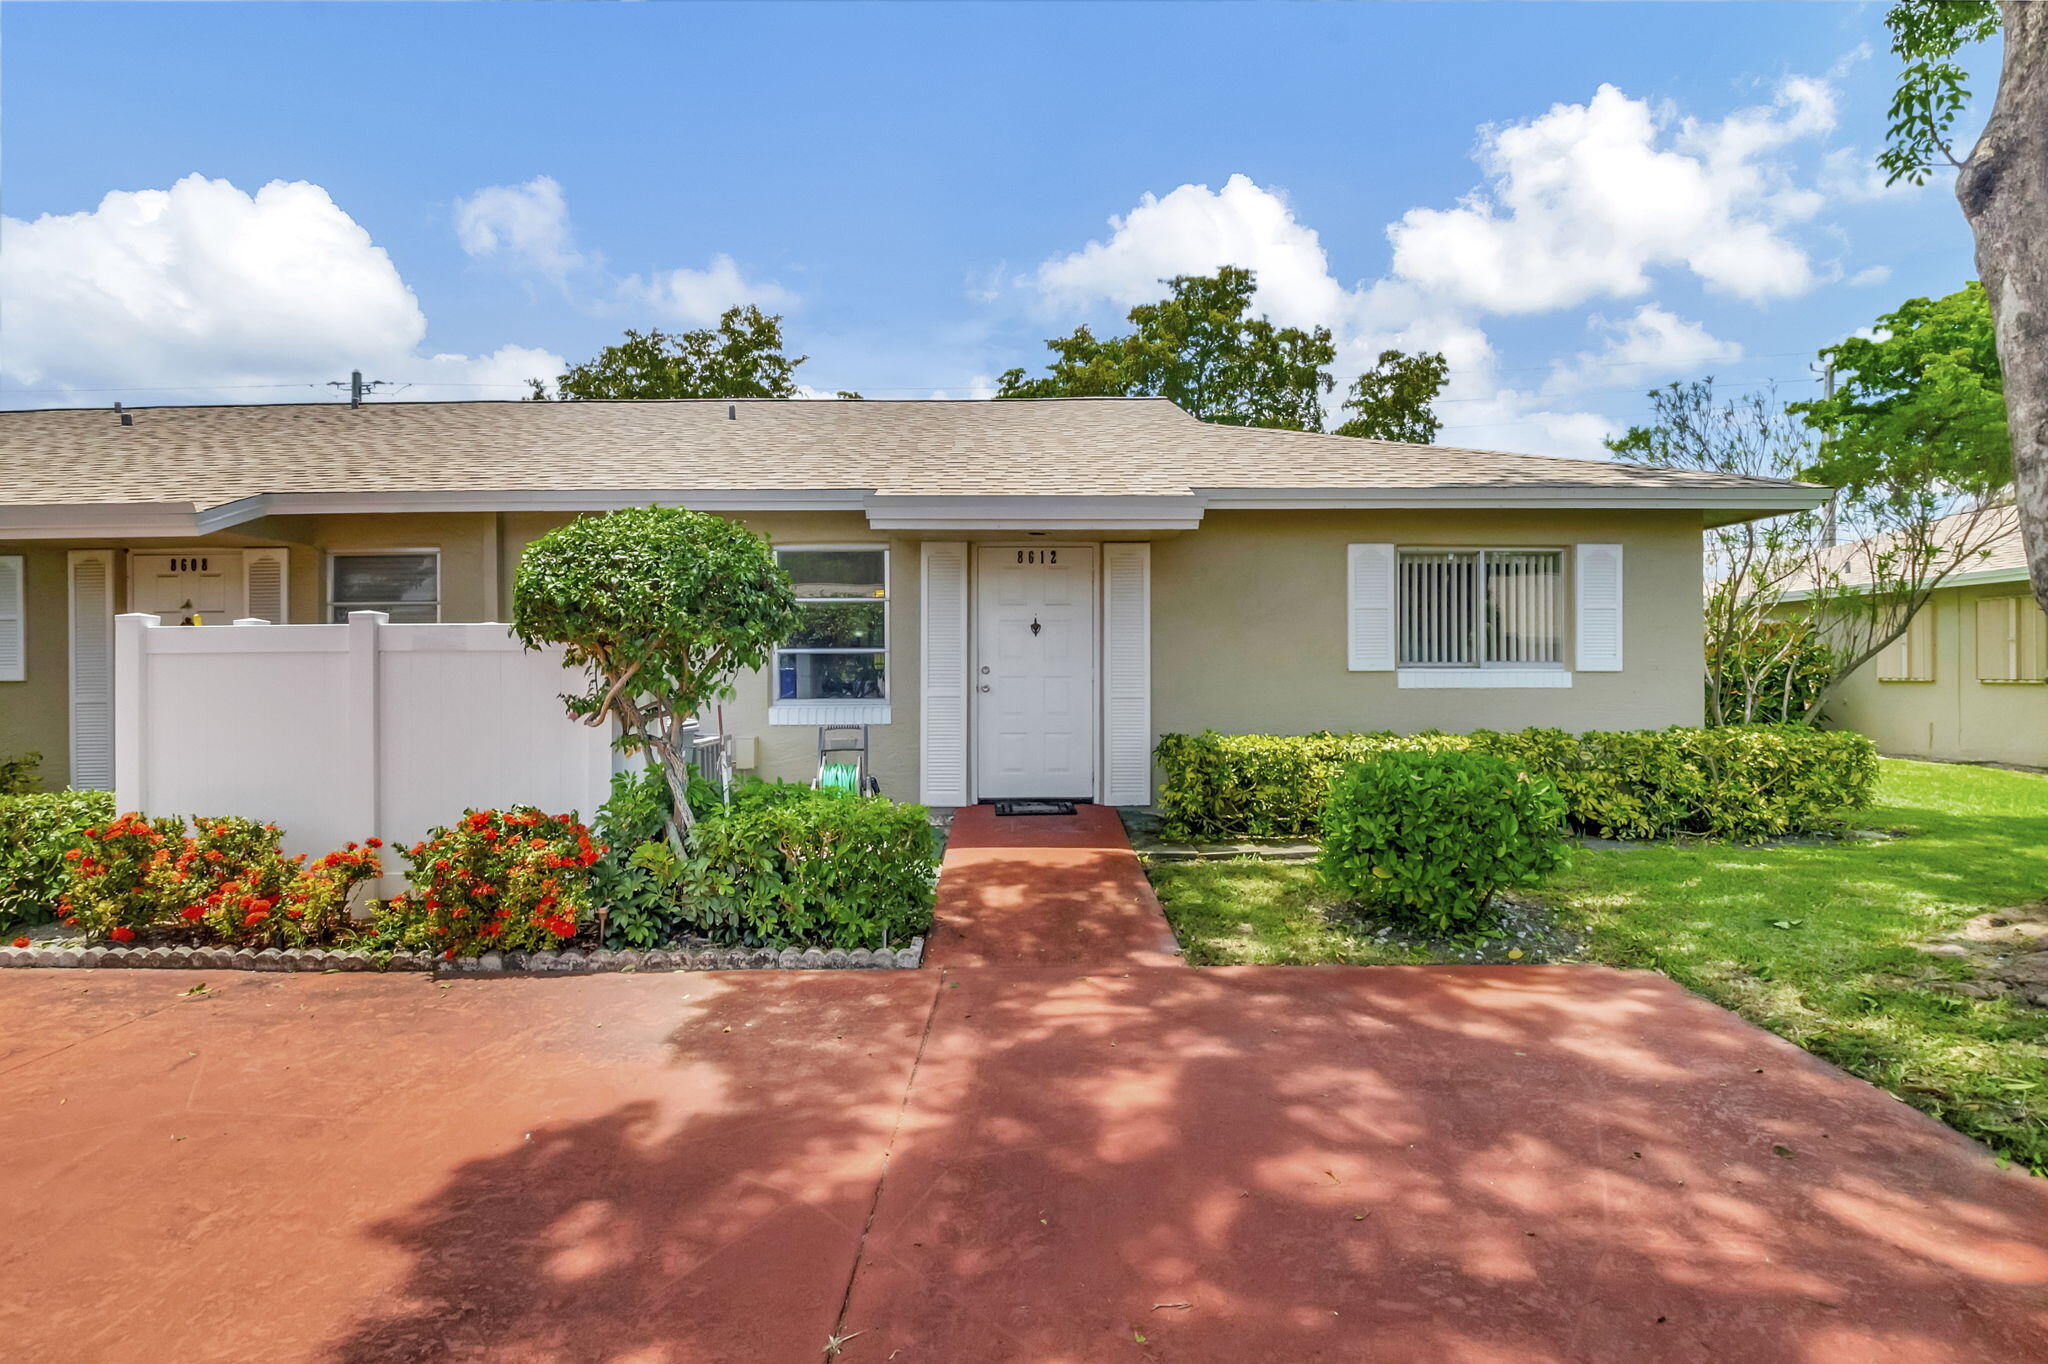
(227, 880)
(513, 879)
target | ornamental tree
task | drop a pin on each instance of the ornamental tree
(663, 607)
(1908, 532)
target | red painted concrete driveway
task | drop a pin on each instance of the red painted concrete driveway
(1442, 1164)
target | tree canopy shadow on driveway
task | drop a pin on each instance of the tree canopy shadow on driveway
(1381, 1163)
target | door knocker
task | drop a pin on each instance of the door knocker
(1035, 627)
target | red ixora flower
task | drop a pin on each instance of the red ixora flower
(123, 934)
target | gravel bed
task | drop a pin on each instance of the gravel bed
(82, 953)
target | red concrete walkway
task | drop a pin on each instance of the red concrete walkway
(1450, 1165)
(1045, 890)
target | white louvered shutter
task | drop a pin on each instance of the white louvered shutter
(1369, 601)
(1598, 627)
(1127, 674)
(942, 600)
(264, 574)
(92, 668)
(13, 610)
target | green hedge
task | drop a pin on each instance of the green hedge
(36, 830)
(789, 865)
(1743, 782)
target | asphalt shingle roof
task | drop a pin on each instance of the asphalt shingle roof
(209, 456)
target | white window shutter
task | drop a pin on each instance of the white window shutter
(1370, 608)
(265, 577)
(13, 610)
(1127, 674)
(942, 656)
(92, 668)
(1597, 571)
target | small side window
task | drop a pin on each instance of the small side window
(406, 584)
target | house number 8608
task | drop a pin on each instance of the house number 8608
(1038, 556)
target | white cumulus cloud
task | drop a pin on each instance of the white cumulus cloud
(1583, 202)
(206, 291)
(1195, 230)
(1643, 349)
(525, 225)
(527, 228)
(1586, 200)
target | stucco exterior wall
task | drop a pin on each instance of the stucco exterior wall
(1248, 622)
(35, 712)
(1954, 716)
(1248, 625)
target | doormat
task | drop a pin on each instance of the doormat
(1034, 807)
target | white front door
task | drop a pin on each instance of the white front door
(1034, 672)
(199, 588)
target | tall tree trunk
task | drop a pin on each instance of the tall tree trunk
(2003, 189)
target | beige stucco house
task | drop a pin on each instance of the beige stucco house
(1968, 681)
(1016, 597)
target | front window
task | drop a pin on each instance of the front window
(840, 648)
(1481, 608)
(404, 584)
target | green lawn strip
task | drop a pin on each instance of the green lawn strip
(1247, 912)
(1815, 942)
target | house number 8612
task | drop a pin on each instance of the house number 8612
(1038, 556)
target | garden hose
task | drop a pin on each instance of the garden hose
(840, 777)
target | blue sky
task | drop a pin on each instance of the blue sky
(472, 191)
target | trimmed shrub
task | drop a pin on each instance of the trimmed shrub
(785, 865)
(36, 830)
(1743, 782)
(632, 886)
(1428, 839)
(227, 880)
(498, 880)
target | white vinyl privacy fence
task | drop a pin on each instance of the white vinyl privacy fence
(340, 733)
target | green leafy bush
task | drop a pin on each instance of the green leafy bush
(789, 865)
(497, 880)
(1772, 675)
(227, 880)
(36, 830)
(633, 880)
(1743, 782)
(1428, 839)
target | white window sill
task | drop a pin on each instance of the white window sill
(1489, 679)
(828, 713)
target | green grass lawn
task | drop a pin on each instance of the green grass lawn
(1842, 978)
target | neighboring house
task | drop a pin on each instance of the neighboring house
(1968, 680)
(1018, 596)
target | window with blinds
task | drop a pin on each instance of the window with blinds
(1481, 608)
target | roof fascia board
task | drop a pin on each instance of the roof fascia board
(889, 511)
(92, 520)
(1767, 500)
(892, 511)
(576, 500)
(1978, 578)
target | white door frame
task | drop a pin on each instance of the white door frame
(974, 760)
